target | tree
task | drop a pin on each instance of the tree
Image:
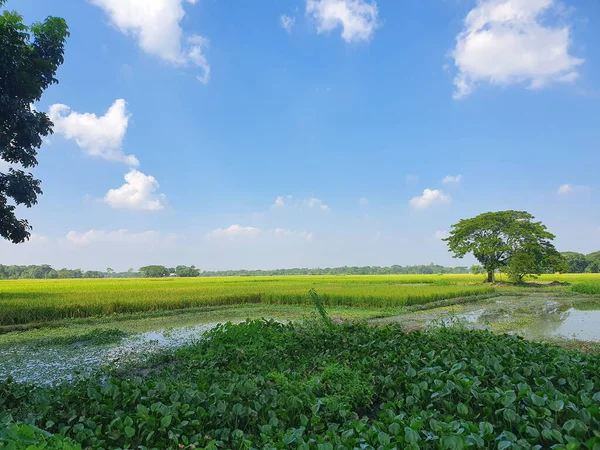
(534, 260)
(155, 271)
(576, 262)
(184, 271)
(29, 58)
(476, 269)
(593, 260)
(494, 237)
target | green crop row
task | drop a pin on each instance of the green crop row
(264, 385)
(29, 301)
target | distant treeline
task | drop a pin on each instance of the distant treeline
(576, 262)
(580, 263)
(345, 270)
(157, 271)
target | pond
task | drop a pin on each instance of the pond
(532, 316)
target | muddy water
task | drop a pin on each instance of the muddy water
(50, 364)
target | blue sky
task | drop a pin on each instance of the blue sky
(312, 132)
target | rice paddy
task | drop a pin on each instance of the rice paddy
(31, 301)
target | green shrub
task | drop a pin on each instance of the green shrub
(266, 385)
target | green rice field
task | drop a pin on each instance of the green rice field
(31, 301)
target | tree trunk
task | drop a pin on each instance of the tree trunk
(490, 278)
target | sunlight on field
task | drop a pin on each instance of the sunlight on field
(26, 301)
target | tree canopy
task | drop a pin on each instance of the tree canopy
(29, 58)
(494, 238)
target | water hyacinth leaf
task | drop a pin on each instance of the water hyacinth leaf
(411, 436)
(537, 400)
(383, 438)
(166, 421)
(556, 405)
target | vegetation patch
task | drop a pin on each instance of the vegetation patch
(30, 301)
(590, 288)
(267, 385)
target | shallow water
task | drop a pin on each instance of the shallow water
(578, 324)
(535, 317)
(539, 320)
(50, 364)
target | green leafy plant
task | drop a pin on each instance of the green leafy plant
(320, 307)
(268, 385)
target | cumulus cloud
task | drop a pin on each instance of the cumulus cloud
(317, 204)
(452, 179)
(566, 189)
(505, 42)
(97, 136)
(442, 234)
(429, 198)
(138, 192)
(287, 22)
(122, 236)
(156, 26)
(280, 201)
(358, 18)
(233, 232)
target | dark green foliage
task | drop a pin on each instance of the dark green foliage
(593, 260)
(155, 271)
(534, 260)
(587, 288)
(495, 237)
(264, 385)
(344, 270)
(576, 262)
(29, 58)
(185, 271)
(20, 436)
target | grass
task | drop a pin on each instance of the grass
(34, 301)
(587, 288)
(271, 386)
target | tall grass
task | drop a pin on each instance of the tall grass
(29, 301)
(589, 288)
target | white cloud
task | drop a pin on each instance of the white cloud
(156, 25)
(358, 18)
(233, 232)
(452, 179)
(430, 197)
(281, 232)
(317, 203)
(4, 166)
(37, 239)
(279, 202)
(122, 236)
(442, 234)
(363, 201)
(566, 189)
(506, 42)
(138, 192)
(98, 136)
(287, 22)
